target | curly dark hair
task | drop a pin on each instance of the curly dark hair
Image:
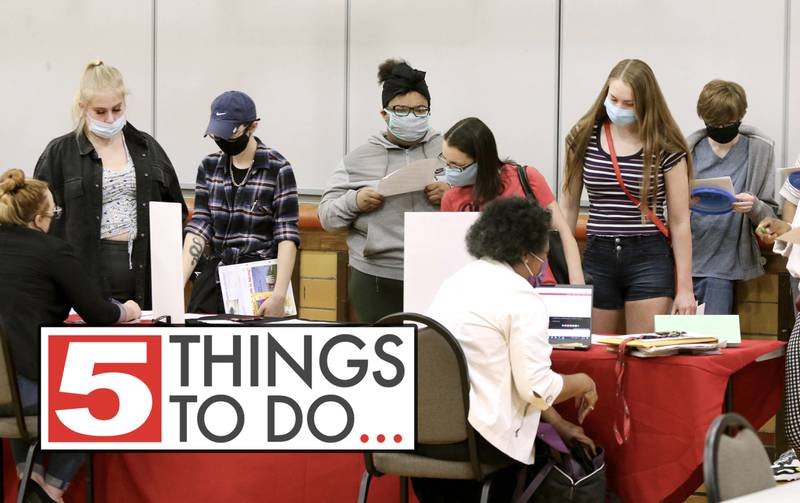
(507, 229)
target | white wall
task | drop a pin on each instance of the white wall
(288, 56)
(45, 47)
(311, 67)
(495, 60)
(687, 43)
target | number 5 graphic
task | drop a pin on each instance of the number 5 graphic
(135, 398)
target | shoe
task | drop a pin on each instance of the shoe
(786, 467)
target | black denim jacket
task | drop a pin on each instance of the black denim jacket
(75, 173)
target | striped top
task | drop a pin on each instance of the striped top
(611, 213)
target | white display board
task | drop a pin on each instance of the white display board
(687, 43)
(288, 56)
(166, 268)
(45, 48)
(495, 60)
(432, 257)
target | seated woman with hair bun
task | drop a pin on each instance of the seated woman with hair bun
(40, 279)
(491, 308)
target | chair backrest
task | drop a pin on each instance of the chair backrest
(441, 406)
(442, 386)
(9, 393)
(734, 465)
(442, 382)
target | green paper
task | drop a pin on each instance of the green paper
(724, 327)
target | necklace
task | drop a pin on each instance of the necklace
(246, 175)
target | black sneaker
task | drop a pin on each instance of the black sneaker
(786, 467)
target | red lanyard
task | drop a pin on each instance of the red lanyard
(619, 369)
(653, 218)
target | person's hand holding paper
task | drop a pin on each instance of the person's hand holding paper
(412, 178)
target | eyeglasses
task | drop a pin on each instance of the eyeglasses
(451, 164)
(403, 111)
(57, 212)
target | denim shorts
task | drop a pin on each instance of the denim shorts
(629, 268)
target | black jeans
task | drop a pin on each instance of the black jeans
(374, 297)
(119, 280)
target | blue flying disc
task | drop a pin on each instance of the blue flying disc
(712, 201)
(794, 179)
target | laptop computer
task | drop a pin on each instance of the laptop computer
(570, 310)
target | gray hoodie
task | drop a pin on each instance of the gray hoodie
(761, 183)
(375, 239)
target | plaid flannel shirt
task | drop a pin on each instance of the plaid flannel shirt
(264, 212)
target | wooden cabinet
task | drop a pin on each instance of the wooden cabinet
(322, 285)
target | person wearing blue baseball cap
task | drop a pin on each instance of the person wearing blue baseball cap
(724, 247)
(245, 207)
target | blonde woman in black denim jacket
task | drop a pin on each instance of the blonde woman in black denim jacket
(103, 174)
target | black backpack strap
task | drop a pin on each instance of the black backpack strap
(526, 185)
(527, 494)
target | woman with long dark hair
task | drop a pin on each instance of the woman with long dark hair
(478, 175)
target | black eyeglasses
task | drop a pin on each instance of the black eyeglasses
(403, 111)
(451, 164)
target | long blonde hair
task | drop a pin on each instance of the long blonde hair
(20, 199)
(97, 78)
(659, 132)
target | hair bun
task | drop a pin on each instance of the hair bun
(11, 181)
(385, 69)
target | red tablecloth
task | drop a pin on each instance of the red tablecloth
(673, 401)
(224, 477)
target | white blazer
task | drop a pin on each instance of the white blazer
(501, 324)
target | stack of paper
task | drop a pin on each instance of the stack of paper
(650, 345)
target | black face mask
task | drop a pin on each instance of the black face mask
(233, 147)
(723, 134)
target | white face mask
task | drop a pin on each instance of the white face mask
(106, 130)
(408, 128)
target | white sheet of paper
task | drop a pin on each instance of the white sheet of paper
(789, 170)
(434, 250)
(722, 182)
(166, 270)
(412, 178)
(793, 236)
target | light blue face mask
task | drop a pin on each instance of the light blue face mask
(408, 128)
(462, 177)
(620, 116)
(105, 130)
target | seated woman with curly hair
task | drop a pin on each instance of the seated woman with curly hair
(501, 323)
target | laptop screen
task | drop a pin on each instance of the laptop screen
(570, 310)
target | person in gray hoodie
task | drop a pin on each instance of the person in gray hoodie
(375, 223)
(724, 247)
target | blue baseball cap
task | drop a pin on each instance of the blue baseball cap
(230, 110)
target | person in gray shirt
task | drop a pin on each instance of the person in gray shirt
(374, 224)
(724, 247)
